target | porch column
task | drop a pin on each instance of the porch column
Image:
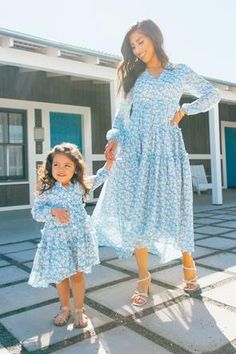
(215, 156)
(112, 99)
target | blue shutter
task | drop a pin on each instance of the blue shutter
(230, 144)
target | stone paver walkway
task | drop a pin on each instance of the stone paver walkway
(171, 322)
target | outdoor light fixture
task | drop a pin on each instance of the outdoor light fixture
(39, 134)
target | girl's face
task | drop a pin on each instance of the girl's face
(142, 46)
(63, 168)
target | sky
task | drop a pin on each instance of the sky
(200, 33)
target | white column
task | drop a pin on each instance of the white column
(113, 99)
(215, 156)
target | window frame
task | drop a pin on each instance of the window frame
(24, 145)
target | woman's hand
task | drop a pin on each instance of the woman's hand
(108, 165)
(61, 214)
(110, 150)
(179, 115)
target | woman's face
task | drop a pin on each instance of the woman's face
(142, 46)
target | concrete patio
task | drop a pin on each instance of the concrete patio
(171, 322)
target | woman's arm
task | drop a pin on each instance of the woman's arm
(196, 85)
(118, 130)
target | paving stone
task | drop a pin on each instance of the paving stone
(106, 253)
(23, 256)
(4, 263)
(194, 325)
(115, 341)
(211, 230)
(35, 330)
(231, 224)
(221, 211)
(26, 296)
(200, 251)
(174, 276)
(29, 264)
(11, 274)
(223, 216)
(207, 221)
(224, 261)
(16, 247)
(198, 236)
(217, 242)
(229, 234)
(225, 294)
(118, 297)
(202, 215)
(101, 275)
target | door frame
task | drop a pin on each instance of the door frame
(225, 124)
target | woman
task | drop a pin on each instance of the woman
(147, 203)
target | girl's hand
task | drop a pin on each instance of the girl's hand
(110, 150)
(62, 214)
(179, 115)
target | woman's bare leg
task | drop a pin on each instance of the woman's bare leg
(189, 274)
(141, 255)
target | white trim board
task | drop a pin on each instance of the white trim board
(38, 61)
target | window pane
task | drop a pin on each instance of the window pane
(3, 127)
(15, 158)
(15, 128)
(3, 171)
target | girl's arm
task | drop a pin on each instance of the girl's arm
(100, 177)
(196, 85)
(41, 210)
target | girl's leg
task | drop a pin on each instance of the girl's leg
(78, 290)
(190, 272)
(141, 255)
(63, 290)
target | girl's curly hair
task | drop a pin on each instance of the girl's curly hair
(46, 179)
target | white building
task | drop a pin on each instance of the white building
(51, 92)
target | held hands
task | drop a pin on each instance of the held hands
(179, 115)
(110, 153)
(61, 214)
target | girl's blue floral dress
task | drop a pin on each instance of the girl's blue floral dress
(64, 249)
(147, 201)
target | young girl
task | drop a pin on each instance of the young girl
(68, 247)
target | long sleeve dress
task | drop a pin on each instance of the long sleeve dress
(64, 249)
(147, 201)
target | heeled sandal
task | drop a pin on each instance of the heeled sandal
(194, 288)
(80, 319)
(62, 318)
(137, 296)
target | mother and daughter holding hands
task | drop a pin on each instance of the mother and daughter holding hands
(146, 202)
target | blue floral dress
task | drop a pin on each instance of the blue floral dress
(64, 249)
(147, 201)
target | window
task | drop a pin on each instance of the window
(12, 145)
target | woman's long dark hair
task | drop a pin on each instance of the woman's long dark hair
(131, 67)
(46, 179)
